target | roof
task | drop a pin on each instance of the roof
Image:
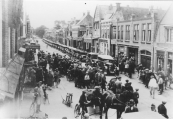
(138, 12)
(105, 11)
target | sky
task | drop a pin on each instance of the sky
(45, 12)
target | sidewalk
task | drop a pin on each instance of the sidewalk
(145, 100)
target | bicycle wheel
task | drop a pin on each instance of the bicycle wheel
(76, 111)
(32, 110)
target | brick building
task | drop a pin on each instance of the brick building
(134, 33)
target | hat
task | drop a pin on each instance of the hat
(152, 105)
(96, 87)
(131, 100)
(136, 89)
(164, 102)
(127, 80)
(86, 115)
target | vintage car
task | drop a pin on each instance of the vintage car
(93, 56)
(83, 58)
(107, 63)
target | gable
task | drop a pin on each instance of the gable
(168, 17)
(118, 15)
(97, 14)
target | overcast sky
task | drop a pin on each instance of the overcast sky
(45, 12)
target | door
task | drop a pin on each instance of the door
(146, 61)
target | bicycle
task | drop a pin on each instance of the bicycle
(77, 111)
(32, 110)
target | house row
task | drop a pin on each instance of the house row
(145, 34)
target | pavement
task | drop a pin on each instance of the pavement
(56, 109)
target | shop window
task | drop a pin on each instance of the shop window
(118, 32)
(143, 32)
(122, 32)
(136, 32)
(148, 53)
(143, 52)
(169, 34)
(149, 33)
(128, 32)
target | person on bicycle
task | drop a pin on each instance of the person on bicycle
(83, 101)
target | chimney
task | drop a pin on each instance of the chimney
(83, 14)
(132, 16)
(118, 6)
(88, 12)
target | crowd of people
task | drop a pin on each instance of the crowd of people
(47, 72)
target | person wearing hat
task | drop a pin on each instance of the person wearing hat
(136, 96)
(153, 107)
(162, 109)
(87, 80)
(83, 101)
(147, 78)
(160, 83)
(131, 107)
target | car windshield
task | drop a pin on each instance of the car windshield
(94, 56)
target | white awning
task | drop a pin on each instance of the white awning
(108, 57)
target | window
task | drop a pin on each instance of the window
(143, 32)
(169, 34)
(136, 32)
(122, 32)
(128, 32)
(118, 32)
(149, 33)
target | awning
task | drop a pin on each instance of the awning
(108, 57)
(22, 49)
(10, 78)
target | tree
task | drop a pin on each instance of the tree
(40, 31)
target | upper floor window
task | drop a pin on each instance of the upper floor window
(169, 34)
(149, 33)
(143, 32)
(128, 32)
(136, 32)
(121, 32)
(118, 32)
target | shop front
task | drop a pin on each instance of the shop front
(169, 65)
(121, 50)
(133, 53)
(145, 58)
(160, 60)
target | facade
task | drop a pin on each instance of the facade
(79, 29)
(87, 39)
(11, 14)
(163, 47)
(133, 33)
(105, 33)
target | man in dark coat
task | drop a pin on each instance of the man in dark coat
(162, 110)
